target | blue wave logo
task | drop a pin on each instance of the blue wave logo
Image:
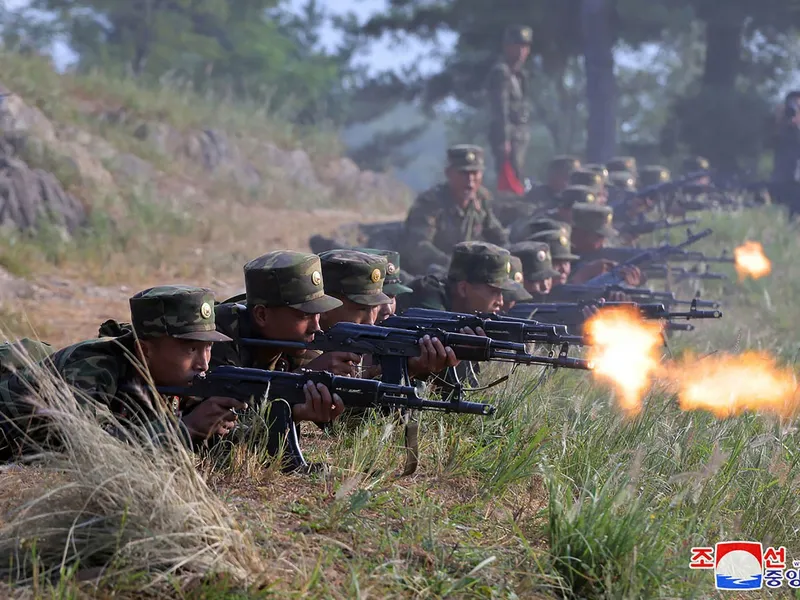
(726, 582)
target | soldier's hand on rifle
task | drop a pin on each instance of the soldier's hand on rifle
(589, 311)
(590, 270)
(618, 296)
(212, 416)
(632, 275)
(433, 358)
(338, 363)
(320, 406)
(469, 331)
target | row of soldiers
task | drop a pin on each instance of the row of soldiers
(177, 332)
(465, 262)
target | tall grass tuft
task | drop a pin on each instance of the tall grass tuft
(119, 508)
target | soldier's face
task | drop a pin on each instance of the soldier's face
(464, 185)
(386, 310)
(479, 297)
(543, 286)
(349, 312)
(175, 362)
(285, 323)
(558, 181)
(564, 267)
(517, 54)
(587, 241)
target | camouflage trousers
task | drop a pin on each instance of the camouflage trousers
(519, 150)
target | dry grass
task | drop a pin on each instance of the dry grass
(102, 508)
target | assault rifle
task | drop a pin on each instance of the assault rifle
(643, 227)
(258, 386)
(392, 348)
(499, 327)
(623, 254)
(645, 257)
(571, 313)
(679, 274)
(576, 293)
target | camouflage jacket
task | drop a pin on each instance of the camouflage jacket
(508, 104)
(435, 224)
(233, 320)
(97, 370)
(429, 292)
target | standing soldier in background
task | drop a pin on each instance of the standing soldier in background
(508, 90)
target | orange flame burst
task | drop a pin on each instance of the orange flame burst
(751, 261)
(624, 351)
(728, 385)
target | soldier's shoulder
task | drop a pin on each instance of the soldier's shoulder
(228, 315)
(431, 200)
(98, 358)
(500, 69)
(430, 291)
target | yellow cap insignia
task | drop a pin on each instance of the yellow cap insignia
(508, 267)
(375, 276)
(629, 182)
(205, 310)
(525, 34)
(390, 269)
(470, 157)
(664, 175)
(518, 277)
(563, 240)
(609, 218)
(316, 278)
(541, 255)
(589, 197)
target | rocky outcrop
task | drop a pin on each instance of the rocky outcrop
(29, 195)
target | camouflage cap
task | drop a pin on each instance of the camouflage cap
(622, 180)
(541, 224)
(564, 164)
(576, 194)
(695, 163)
(481, 262)
(519, 294)
(392, 285)
(596, 218)
(465, 157)
(622, 163)
(537, 263)
(178, 311)
(598, 168)
(355, 275)
(586, 178)
(560, 247)
(653, 175)
(518, 34)
(284, 278)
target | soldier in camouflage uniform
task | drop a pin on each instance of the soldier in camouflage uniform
(283, 300)
(531, 227)
(478, 275)
(562, 256)
(170, 337)
(451, 212)
(591, 229)
(509, 104)
(546, 195)
(392, 285)
(592, 180)
(511, 297)
(537, 268)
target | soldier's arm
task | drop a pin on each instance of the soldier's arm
(420, 230)
(499, 105)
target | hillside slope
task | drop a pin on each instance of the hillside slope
(154, 186)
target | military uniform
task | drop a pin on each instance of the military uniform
(393, 285)
(537, 263)
(541, 197)
(593, 218)
(559, 244)
(436, 223)
(105, 371)
(526, 229)
(509, 106)
(589, 179)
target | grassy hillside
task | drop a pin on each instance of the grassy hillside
(558, 494)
